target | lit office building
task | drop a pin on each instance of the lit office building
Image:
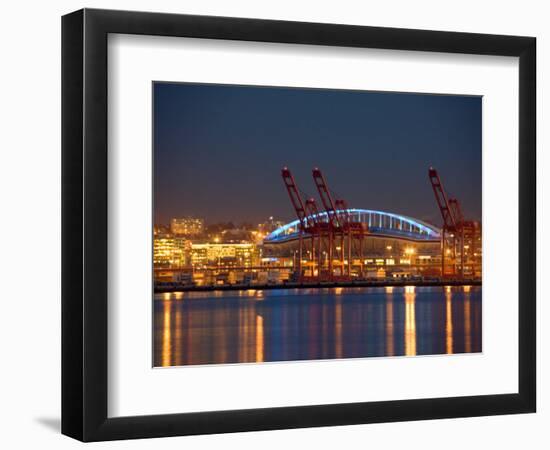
(222, 254)
(170, 252)
(187, 226)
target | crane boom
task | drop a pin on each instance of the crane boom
(342, 211)
(449, 221)
(312, 211)
(295, 198)
(456, 211)
(326, 198)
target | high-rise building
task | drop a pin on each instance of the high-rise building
(187, 226)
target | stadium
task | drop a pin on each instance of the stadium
(389, 244)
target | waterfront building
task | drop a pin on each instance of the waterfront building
(472, 249)
(173, 277)
(170, 251)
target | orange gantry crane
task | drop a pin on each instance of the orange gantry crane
(455, 230)
(337, 228)
(334, 226)
(300, 210)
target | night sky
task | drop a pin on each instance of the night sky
(219, 150)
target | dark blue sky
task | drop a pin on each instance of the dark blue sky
(218, 150)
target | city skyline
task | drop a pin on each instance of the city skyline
(218, 150)
(359, 273)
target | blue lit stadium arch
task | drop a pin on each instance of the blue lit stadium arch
(380, 223)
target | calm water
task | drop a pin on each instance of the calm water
(291, 324)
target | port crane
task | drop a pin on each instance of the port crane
(333, 231)
(334, 225)
(299, 209)
(454, 226)
(310, 225)
(341, 227)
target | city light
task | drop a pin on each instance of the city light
(191, 253)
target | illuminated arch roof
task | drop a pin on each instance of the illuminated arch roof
(380, 223)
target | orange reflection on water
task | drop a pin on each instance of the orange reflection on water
(448, 322)
(259, 338)
(410, 321)
(244, 335)
(166, 336)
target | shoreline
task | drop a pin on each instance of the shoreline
(317, 285)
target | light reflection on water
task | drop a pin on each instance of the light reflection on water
(287, 324)
(449, 321)
(166, 334)
(410, 321)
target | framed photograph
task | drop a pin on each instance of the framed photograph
(273, 224)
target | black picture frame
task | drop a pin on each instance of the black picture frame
(84, 224)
